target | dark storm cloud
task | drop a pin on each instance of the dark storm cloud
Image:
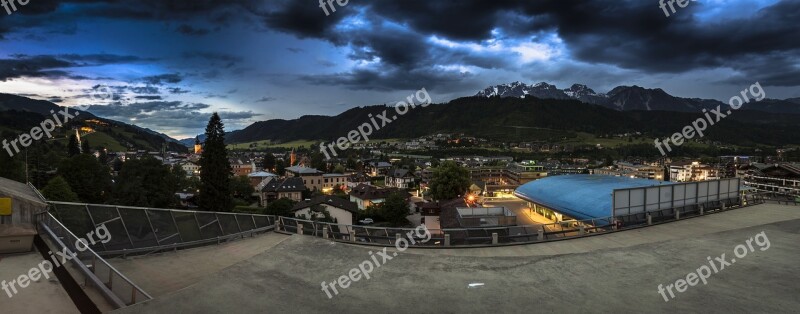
(391, 80)
(177, 90)
(100, 59)
(150, 97)
(34, 66)
(162, 79)
(215, 58)
(169, 115)
(143, 89)
(55, 66)
(629, 34)
(192, 31)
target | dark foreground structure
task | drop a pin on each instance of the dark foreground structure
(616, 272)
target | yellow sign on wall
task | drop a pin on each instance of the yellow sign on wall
(5, 206)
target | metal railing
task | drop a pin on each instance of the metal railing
(36, 191)
(138, 230)
(117, 289)
(509, 235)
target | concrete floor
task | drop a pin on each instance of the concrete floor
(617, 272)
(163, 273)
(41, 296)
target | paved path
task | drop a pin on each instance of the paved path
(617, 272)
(168, 272)
(41, 296)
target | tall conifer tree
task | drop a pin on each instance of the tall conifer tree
(215, 169)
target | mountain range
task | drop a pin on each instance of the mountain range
(526, 119)
(19, 114)
(628, 98)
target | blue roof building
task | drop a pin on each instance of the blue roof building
(582, 197)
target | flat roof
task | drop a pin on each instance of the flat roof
(580, 196)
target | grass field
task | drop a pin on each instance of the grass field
(102, 139)
(269, 144)
(293, 144)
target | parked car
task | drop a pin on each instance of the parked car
(366, 221)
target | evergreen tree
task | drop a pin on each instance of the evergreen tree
(146, 182)
(269, 162)
(103, 157)
(395, 209)
(85, 147)
(215, 169)
(59, 190)
(449, 181)
(87, 177)
(73, 148)
(11, 167)
(280, 167)
(242, 189)
(280, 207)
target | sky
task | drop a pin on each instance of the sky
(167, 64)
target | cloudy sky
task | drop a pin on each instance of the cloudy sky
(166, 64)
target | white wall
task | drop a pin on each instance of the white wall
(342, 216)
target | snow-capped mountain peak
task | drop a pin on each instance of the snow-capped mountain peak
(619, 98)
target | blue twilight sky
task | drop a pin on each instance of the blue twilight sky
(169, 63)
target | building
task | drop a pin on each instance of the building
(291, 188)
(242, 167)
(524, 172)
(399, 178)
(599, 197)
(780, 177)
(484, 217)
(690, 171)
(332, 180)
(624, 169)
(432, 212)
(341, 211)
(259, 176)
(367, 195)
(379, 168)
(192, 169)
(198, 147)
(312, 178)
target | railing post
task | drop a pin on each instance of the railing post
(494, 237)
(177, 230)
(352, 235)
(650, 219)
(582, 230)
(396, 238)
(325, 232)
(541, 234)
(703, 210)
(94, 224)
(677, 214)
(446, 239)
(300, 229)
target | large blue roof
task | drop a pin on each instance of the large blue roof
(581, 196)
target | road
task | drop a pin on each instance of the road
(519, 207)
